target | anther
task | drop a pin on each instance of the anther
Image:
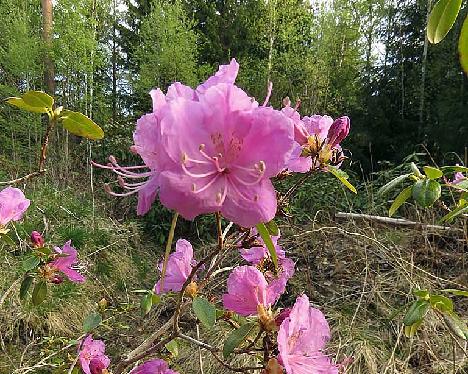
(121, 181)
(194, 187)
(201, 147)
(261, 166)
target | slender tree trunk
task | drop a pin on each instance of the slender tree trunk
(47, 36)
(423, 76)
(114, 63)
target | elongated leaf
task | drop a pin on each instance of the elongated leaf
(463, 46)
(426, 192)
(19, 103)
(80, 125)
(411, 330)
(452, 169)
(205, 311)
(459, 210)
(456, 325)
(461, 186)
(400, 200)
(146, 303)
(432, 173)
(30, 263)
(173, 347)
(416, 312)
(38, 99)
(265, 235)
(236, 338)
(91, 321)
(342, 177)
(442, 303)
(421, 294)
(25, 286)
(39, 292)
(441, 19)
(456, 292)
(273, 228)
(392, 184)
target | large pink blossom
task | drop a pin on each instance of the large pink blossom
(67, 257)
(301, 338)
(13, 204)
(156, 366)
(91, 356)
(179, 267)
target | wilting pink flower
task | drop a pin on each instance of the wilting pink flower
(179, 267)
(13, 204)
(67, 257)
(458, 177)
(156, 366)
(91, 356)
(37, 239)
(301, 339)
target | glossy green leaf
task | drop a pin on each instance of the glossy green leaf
(441, 303)
(400, 200)
(146, 303)
(426, 192)
(421, 294)
(456, 325)
(342, 177)
(453, 169)
(392, 184)
(20, 104)
(461, 186)
(432, 173)
(411, 330)
(459, 210)
(39, 292)
(25, 286)
(272, 228)
(265, 235)
(156, 299)
(441, 19)
(416, 312)
(30, 263)
(463, 46)
(456, 292)
(92, 321)
(173, 347)
(205, 311)
(38, 99)
(80, 125)
(236, 338)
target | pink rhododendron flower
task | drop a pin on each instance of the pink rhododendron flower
(301, 339)
(13, 204)
(64, 262)
(91, 356)
(156, 366)
(179, 267)
(458, 177)
(37, 239)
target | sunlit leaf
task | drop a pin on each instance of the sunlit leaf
(205, 311)
(456, 292)
(80, 125)
(39, 292)
(38, 99)
(342, 177)
(453, 169)
(400, 200)
(19, 103)
(463, 45)
(432, 173)
(416, 312)
(173, 347)
(236, 338)
(425, 192)
(456, 325)
(442, 303)
(441, 19)
(392, 184)
(421, 294)
(265, 235)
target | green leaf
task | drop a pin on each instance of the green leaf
(173, 347)
(426, 192)
(342, 177)
(456, 325)
(399, 200)
(30, 263)
(416, 312)
(146, 303)
(39, 292)
(432, 173)
(25, 286)
(38, 99)
(5, 238)
(453, 169)
(19, 103)
(456, 292)
(272, 228)
(459, 210)
(421, 294)
(463, 47)
(80, 125)
(411, 330)
(236, 338)
(265, 235)
(441, 19)
(442, 303)
(205, 311)
(155, 299)
(91, 321)
(392, 184)
(462, 185)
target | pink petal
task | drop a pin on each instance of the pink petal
(225, 74)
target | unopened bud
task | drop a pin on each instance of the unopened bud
(97, 366)
(338, 131)
(57, 279)
(103, 303)
(273, 367)
(191, 289)
(37, 239)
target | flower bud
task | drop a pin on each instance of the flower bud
(191, 289)
(282, 316)
(273, 367)
(266, 318)
(338, 131)
(103, 303)
(37, 239)
(57, 279)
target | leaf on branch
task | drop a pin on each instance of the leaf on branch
(441, 19)
(416, 312)
(432, 173)
(30, 263)
(342, 177)
(205, 311)
(456, 292)
(441, 303)
(463, 46)
(392, 184)
(173, 347)
(25, 286)
(459, 210)
(400, 200)
(92, 321)
(19, 103)
(236, 338)
(265, 235)
(38, 99)
(80, 125)
(426, 192)
(39, 292)
(456, 325)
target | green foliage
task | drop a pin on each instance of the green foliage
(441, 19)
(205, 311)
(265, 235)
(463, 45)
(91, 321)
(236, 338)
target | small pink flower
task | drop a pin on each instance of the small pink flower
(91, 356)
(338, 131)
(64, 262)
(301, 339)
(458, 177)
(13, 204)
(37, 239)
(179, 267)
(156, 366)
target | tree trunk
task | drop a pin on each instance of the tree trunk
(47, 36)
(423, 76)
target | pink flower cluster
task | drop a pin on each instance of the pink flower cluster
(215, 149)
(66, 257)
(13, 204)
